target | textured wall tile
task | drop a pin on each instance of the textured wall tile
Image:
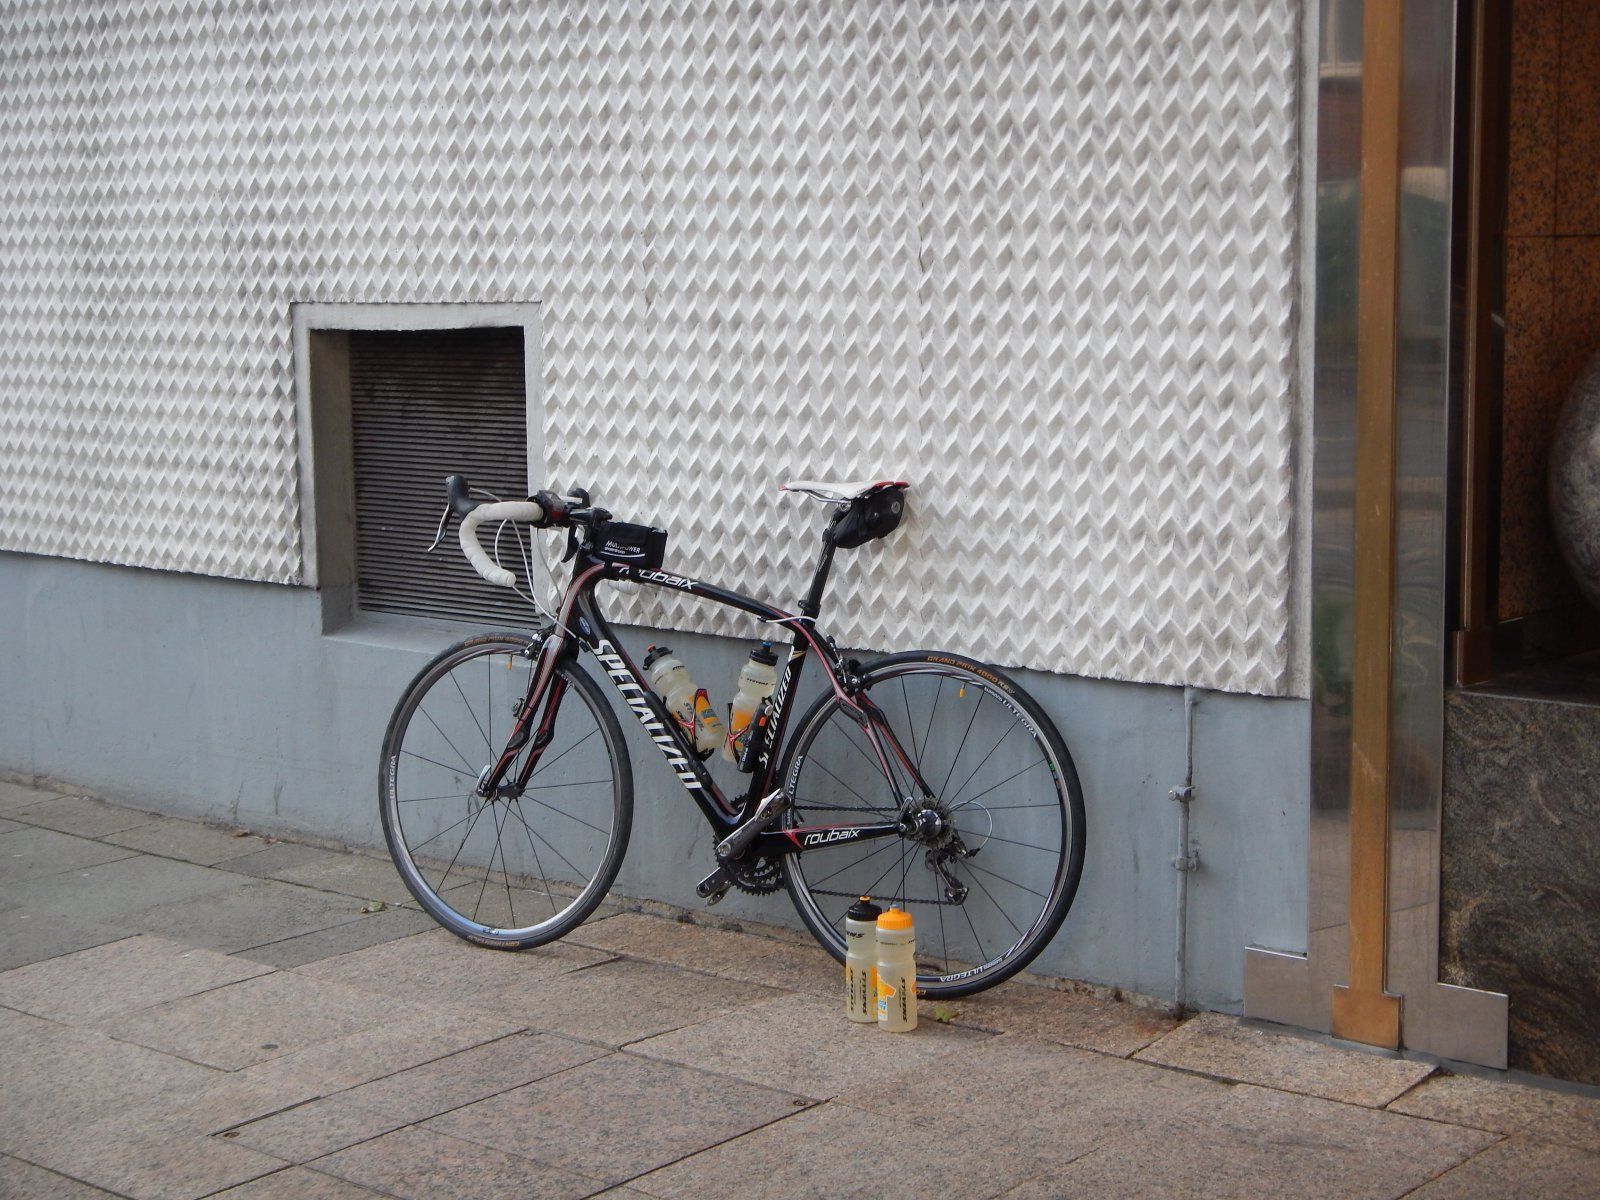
(1037, 257)
(1578, 160)
(1531, 125)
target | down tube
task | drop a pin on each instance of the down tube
(658, 724)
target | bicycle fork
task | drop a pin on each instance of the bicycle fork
(545, 684)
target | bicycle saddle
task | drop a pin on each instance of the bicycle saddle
(840, 493)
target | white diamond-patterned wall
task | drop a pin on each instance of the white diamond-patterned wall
(1038, 258)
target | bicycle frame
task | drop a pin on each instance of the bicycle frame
(581, 622)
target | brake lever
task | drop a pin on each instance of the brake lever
(572, 545)
(438, 535)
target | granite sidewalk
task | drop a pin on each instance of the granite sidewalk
(188, 1011)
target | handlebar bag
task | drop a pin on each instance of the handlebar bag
(630, 545)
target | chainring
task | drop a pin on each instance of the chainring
(758, 876)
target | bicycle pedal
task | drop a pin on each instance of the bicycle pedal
(714, 886)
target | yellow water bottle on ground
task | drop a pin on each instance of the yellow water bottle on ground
(861, 961)
(897, 972)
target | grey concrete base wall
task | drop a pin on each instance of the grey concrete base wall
(226, 700)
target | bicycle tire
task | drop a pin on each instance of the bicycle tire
(1063, 784)
(392, 768)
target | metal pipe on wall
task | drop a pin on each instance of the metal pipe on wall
(1187, 859)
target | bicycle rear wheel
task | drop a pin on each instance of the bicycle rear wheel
(530, 865)
(990, 881)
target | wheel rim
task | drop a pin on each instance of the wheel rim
(999, 784)
(519, 866)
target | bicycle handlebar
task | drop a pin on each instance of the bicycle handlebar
(499, 510)
(544, 510)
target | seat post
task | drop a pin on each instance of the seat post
(812, 604)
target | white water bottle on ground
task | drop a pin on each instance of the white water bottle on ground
(861, 961)
(757, 679)
(687, 703)
(897, 972)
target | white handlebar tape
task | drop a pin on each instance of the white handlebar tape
(502, 510)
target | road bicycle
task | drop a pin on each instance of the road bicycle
(924, 778)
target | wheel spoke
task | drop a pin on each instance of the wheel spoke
(927, 731)
(995, 837)
(467, 704)
(478, 812)
(549, 845)
(862, 859)
(538, 866)
(911, 724)
(443, 766)
(973, 774)
(567, 815)
(976, 709)
(464, 760)
(545, 765)
(1001, 784)
(848, 788)
(443, 831)
(996, 903)
(970, 865)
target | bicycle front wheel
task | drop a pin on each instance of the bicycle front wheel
(529, 865)
(990, 873)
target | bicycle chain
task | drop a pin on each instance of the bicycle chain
(902, 900)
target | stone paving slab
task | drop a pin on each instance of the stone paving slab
(20, 1026)
(31, 853)
(82, 815)
(618, 1116)
(34, 937)
(259, 913)
(372, 929)
(804, 1044)
(117, 978)
(104, 893)
(624, 1001)
(835, 1151)
(713, 951)
(441, 968)
(357, 875)
(1036, 1101)
(421, 1164)
(1520, 1166)
(470, 1075)
(16, 795)
(21, 1180)
(1071, 1018)
(271, 861)
(298, 1183)
(1220, 1045)
(407, 1037)
(1503, 1107)
(313, 1129)
(76, 1077)
(252, 1021)
(190, 841)
(1257, 1143)
(7, 826)
(136, 1156)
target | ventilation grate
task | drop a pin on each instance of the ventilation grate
(423, 406)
